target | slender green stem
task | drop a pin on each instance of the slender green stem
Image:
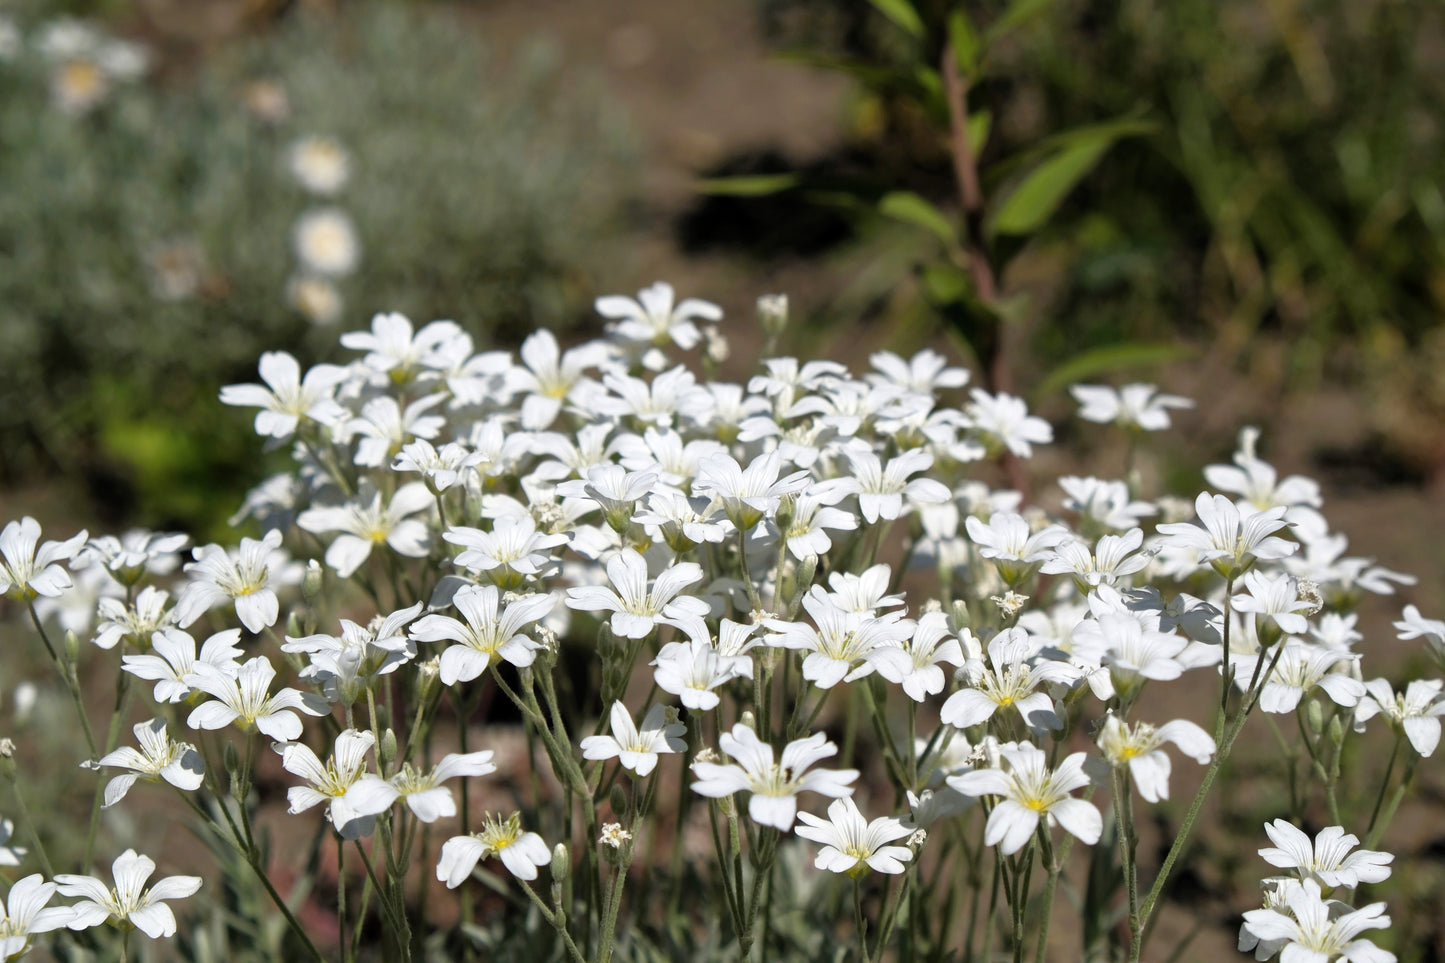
(1384, 784)
(341, 898)
(70, 677)
(1128, 845)
(1041, 952)
(555, 922)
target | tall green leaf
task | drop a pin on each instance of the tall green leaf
(1106, 360)
(1030, 204)
(902, 13)
(910, 208)
(756, 185)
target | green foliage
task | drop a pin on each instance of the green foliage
(146, 243)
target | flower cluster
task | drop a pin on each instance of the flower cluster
(567, 530)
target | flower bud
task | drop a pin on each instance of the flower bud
(617, 799)
(72, 647)
(312, 584)
(749, 720)
(1315, 716)
(388, 747)
(561, 862)
(773, 314)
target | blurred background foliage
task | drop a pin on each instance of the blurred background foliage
(146, 233)
(1251, 186)
(1272, 194)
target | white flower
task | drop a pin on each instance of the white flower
(520, 852)
(25, 914)
(173, 656)
(348, 663)
(813, 514)
(289, 399)
(1104, 503)
(691, 670)
(384, 427)
(774, 786)
(1301, 669)
(1140, 747)
(130, 901)
(138, 552)
(1309, 935)
(243, 700)
(1415, 712)
(882, 491)
(392, 347)
(27, 571)
(853, 845)
(1225, 540)
(614, 488)
(10, 854)
(487, 634)
(135, 622)
(325, 242)
(1327, 860)
(925, 373)
(424, 793)
(366, 521)
(636, 610)
(245, 578)
(1005, 422)
(1009, 681)
(1132, 652)
(512, 553)
(1276, 603)
(637, 747)
(682, 522)
(916, 665)
(747, 495)
(442, 468)
(1028, 790)
(1008, 542)
(1132, 406)
(354, 797)
(317, 299)
(838, 648)
(1113, 558)
(1257, 483)
(1413, 625)
(549, 377)
(652, 321)
(178, 763)
(320, 164)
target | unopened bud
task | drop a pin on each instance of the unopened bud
(561, 862)
(388, 747)
(72, 647)
(617, 799)
(748, 719)
(231, 759)
(1315, 715)
(1337, 729)
(312, 584)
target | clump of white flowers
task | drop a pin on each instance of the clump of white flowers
(723, 618)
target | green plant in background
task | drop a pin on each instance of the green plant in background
(150, 236)
(1282, 203)
(930, 75)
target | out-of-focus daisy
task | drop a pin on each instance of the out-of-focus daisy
(1415, 712)
(652, 321)
(316, 298)
(320, 164)
(1132, 406)
(29, 569)
(25, 914)
(326, 243)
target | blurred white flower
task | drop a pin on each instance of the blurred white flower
(1132, 406)
(521, 852)
(326, 243)
(320, 164)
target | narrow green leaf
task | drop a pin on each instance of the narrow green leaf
(1109, 359)
(967, 48)
(1018, 13)
(1044, 188)
(912, 209)
(979, 125)
(758, 185)
(901, 12)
